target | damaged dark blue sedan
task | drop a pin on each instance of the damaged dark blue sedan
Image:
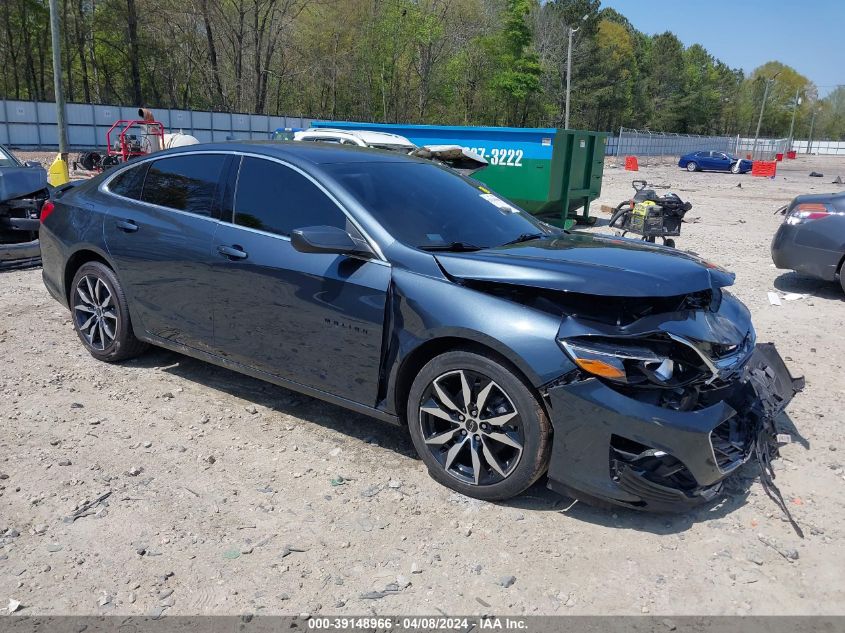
(396, 288)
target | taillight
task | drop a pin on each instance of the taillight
(46, 209)
(806, 211)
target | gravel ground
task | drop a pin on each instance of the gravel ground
(166, 485)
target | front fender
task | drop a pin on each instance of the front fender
(441, 309)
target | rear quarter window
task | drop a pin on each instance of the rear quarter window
(130, 182)
(185, 183)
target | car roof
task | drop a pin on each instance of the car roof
(297, 152)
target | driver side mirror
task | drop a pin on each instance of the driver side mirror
(328, 239)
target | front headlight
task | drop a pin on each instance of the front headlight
(659, 363)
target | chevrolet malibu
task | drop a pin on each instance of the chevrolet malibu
(396, 288)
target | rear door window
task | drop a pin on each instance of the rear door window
(186, 183)
(277, 199)
(130, 182)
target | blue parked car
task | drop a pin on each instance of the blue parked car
(714, 161)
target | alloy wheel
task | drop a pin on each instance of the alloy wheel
(471, 427)
(94, 312)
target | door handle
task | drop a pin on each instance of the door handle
(127, 226)
(232, 252)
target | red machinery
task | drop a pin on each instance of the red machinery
(127, 145)
(126, 139)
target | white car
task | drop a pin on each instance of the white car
(457, 157)
(361, 138)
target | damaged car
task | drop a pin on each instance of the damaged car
(23, 190)
(394, 287)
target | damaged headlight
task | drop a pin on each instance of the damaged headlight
(645, 362)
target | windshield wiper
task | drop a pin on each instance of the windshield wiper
(525, 237)
(454, 246)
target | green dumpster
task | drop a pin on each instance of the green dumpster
(551, 173)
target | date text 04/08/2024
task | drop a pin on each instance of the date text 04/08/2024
(417, 623)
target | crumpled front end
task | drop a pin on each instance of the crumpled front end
(665, 439)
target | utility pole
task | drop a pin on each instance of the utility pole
(769, 82)
(56, 37)
(569, 72)
(795, 105)
(58, 173)
(812, 129)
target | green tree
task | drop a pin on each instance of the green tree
(780, 101)
(665, 71)
(517, 79)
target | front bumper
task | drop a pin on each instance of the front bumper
(620, 450)
(20, 255)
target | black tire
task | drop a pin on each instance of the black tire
(109, 337)
(669, 242)
(507, 395)
(692, 166)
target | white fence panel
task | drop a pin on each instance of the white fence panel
(823, 148)
(29, 125)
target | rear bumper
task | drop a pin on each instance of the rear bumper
(804, 254)
(612, 447)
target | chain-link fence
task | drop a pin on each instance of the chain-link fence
(664, 147)
(766, 148)
(659, 148)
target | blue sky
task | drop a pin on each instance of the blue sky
(808, 35)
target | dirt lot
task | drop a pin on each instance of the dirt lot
(222, 496)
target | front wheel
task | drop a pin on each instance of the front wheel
(692, 166)
(477, 426)
(735, 168)
(101, 315)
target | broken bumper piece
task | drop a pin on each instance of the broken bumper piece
(617, 449)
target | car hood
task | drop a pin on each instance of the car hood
(589, 264)
(17, 182)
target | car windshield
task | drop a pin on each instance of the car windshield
(429, 207)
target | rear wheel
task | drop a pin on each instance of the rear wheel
(477, 426)
(101, 315)
(692, 166)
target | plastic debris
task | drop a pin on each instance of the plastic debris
(774, 298)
